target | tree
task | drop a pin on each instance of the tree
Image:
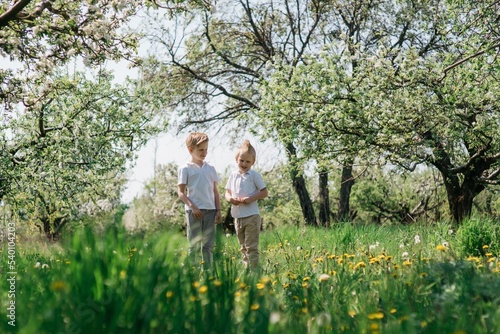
(66, 135)
(415, 102)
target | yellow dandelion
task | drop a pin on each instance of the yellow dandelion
(491, 259)
(123, 274)
(305, 285)
(423, 324)
(374, 326)
(392, 311)
(68, 262)
(237, 294)
(424, 274)
(169, 294)
(242, 285)
(260, 286)
(217, 283)
(486, 247)
(295, 297)
(360, 265)
(376, 316)
(286, 285)
(192, 298)
(265, 280)
(307, 278)
(203, 289)
(489, 254)
(441, 248)
(407, 263)
(196, 285)
(351, 313)
(58, 286)
(304, 310)
(254, 307)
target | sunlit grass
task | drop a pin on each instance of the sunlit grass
(351, 279)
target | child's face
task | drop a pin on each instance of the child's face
(199, 152)
(245, 161)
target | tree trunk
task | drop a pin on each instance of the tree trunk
(324, 199)
(299, 185)
(461, 197)
(346, 184)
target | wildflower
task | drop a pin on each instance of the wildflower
(203, 289)
(217, 282)
(299, 248)
(195, 284)
(228, 235)
(304, 310)
(446, 244)
(450, 232)
(360, 265)
(123, 274)
(407, 263)
(441, 248)
(274, 317)
(37, 265)
(374, 326)
(417, 239)
(324, 277)
(169, 294)
(254, 307)
(58, 286)
(351, 313)
(405, 254)
(260, 286)
(486, 247)
(392, 311)
(376, 315)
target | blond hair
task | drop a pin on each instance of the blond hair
(195, 139)
(246, 147)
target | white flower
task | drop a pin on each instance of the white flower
(228, 235)
(417, 239)
(324, 277)
(299, 248)
(405, 254)
(37, 265)
(445, 244)
(45, 266)
(274, 317)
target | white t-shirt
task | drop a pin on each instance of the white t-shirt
(245, 185)
(199, 182)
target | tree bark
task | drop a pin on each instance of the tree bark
(299, 185)
(346, 183)
(324, 199)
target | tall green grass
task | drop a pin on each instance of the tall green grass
(346, 279)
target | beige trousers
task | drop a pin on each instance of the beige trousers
(247, 230)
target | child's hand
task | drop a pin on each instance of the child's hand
(235, 201)
(245, 200)
(196, 212)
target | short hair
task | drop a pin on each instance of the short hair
(246, 147)
(195, 139)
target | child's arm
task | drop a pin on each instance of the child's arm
(230, 199)
(217, 203)
(263, 193)
(181, 192)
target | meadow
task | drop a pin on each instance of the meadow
(344, 279)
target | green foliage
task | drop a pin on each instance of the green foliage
(392, 195)
(158, 207)
(477, 237)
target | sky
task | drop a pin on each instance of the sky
(171, 148)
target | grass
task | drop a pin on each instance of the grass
(347, 279)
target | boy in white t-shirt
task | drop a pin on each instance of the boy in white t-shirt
(244, 187)
(202, 200)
